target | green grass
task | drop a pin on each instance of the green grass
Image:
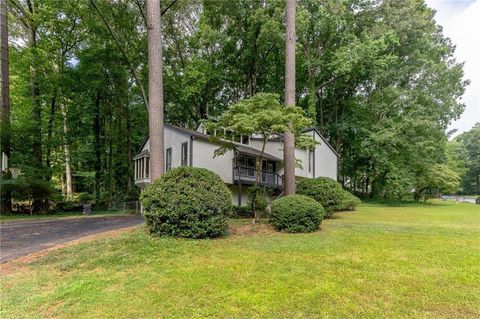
(58, 215)
(412, 261)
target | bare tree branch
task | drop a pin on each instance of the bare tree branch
(139, 5)
(168, 7)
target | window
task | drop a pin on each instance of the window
(246, 165)
(184, 154)
(245, 139)
(251, 172)
(251, 162)
(241, 160)
(168, 159)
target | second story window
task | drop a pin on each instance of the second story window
(185, 154)
(168, 159)
(246, 139)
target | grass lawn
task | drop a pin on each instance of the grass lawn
(58, 215)
(410, 261)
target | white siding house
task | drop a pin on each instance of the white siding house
(237, 166)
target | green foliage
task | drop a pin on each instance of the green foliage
(440, 179)
(257, 199)
(378, 79)
(261, 114)
(349, 202)
(85, 198)
(468, 158)
(187, 202)
(324, 190)
(296, 214)
(241, 212)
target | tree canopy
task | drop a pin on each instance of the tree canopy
(378, 79)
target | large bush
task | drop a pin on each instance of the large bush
(349, 201)
(187, 202)
(324, 190)
(296, 214)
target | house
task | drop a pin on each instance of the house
(237, 166)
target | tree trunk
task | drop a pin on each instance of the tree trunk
(97, 147)
(38, 203)
(258, 168)
(128, 146)
(6, 195)
(66, 147)
(35, 87)
(289, 138)
(48, 157)
(155, 89)
(312, 96)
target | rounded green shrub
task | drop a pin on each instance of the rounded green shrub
(296, 214)
(324, 190)
(349, 202)
(187, 202)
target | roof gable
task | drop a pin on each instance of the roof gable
(321, 136)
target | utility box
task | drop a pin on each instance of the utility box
(87, 209)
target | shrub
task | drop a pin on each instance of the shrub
(257, 200)
(324, 190)
(241, 212)
(349, 201)
(296, 214)
(68, 206)
(85, 198)
(187, 202)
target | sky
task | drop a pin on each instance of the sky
(460, 20)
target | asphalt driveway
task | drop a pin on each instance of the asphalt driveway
(20, 238)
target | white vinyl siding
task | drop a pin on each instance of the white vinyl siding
(325, 160)
(203, 156)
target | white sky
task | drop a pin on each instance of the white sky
(460, 20)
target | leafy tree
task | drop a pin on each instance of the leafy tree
(378, 78)
(469, 153)
(6, 196)
(263, 115)
(440, 179)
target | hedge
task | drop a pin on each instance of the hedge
(349, 202)
(324, 190)
(296, 214)
(187, 202)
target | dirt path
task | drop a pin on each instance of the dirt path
(21, 238)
